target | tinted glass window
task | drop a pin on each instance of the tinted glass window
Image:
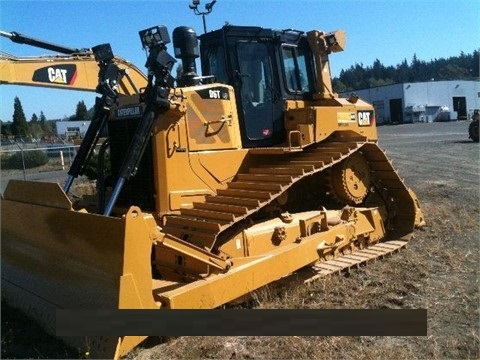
(215, 57)
(296, 70)
(254, 64)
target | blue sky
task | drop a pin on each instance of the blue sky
(388, 30)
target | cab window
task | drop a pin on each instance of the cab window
(295, 64)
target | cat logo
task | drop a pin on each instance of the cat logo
(365, 118)
(56, 74)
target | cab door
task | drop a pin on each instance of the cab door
(257, 93)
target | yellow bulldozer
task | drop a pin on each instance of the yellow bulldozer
(220, 183)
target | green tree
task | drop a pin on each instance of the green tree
(20, 125)
(416, 73)
(7, 129)
(379, 82)
(462, 67)
(378, 70)
(338, 86)
(81, 113)
(402, 72)
(36, 130)
(43, 120)
(453, 71)
(35, 127)
(47, 126)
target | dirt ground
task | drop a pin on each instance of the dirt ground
(439, 271)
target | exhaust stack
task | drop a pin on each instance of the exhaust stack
(185, 46)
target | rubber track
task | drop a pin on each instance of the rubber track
(260, 185)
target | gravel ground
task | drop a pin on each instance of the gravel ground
(438, 272)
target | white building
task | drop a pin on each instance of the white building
(423, 101)
(72, 129)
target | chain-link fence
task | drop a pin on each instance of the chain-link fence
(41, 161)
(35, 157)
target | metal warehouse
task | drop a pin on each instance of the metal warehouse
(72, 129)
(423, 101)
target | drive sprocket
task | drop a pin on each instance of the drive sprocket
(350, 179)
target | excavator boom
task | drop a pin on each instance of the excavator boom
(75, 69)
(70, 72)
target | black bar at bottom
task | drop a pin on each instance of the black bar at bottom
(243, 322)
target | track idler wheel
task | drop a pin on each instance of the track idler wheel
(350, 180)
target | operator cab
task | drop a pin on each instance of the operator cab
(266, 67)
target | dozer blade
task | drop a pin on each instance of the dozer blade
(56, 258)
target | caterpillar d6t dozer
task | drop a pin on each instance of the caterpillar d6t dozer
(219, 183)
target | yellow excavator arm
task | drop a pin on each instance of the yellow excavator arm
(71, 72)
(74, 69)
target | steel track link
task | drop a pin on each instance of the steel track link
(345, 263)
(260, 185)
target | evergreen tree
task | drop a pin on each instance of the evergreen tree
(35, 127)
(20, 125)
(81, 113)
(6, 128)
(378, 70)
(46, 125)
(402, 72)
(415, 69)
(453, 71)
(473, 66)
(43, 120)
(462, 67)
(338, 86)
